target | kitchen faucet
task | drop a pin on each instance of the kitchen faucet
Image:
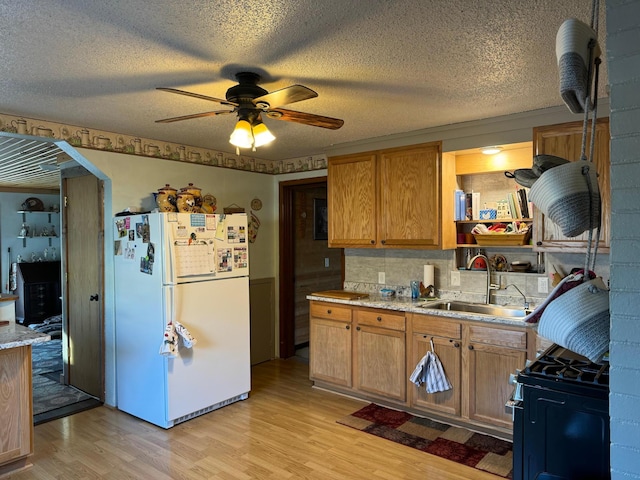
(490, 286)
(526, 304)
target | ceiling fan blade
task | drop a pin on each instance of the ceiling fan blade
(305, 118)
(287, 95)
(197, 95)
(195, 115)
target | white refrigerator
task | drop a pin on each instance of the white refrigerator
(186, 268)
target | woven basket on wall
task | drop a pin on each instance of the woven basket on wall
(564, 195)
(579, 320)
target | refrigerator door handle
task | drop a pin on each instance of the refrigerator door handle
(170, 305)
(170, 255)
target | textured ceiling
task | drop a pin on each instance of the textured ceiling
(385, 67)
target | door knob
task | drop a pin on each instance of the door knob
(93, 298)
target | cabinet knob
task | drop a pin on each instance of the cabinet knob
(329, 312)
(358, 328)
(373, 242)
(93, 298)
(348, 327)
(383, 242)
(457, 345)
(470, 347)
(379, 319)
(539, 244)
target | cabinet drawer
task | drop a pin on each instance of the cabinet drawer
(436, 326)
(375, 318)
(330, 310)
(498, 336)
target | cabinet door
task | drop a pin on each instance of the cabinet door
(380, 362)
(410, 197)
(489, 367)
(565, 141)
(449, 352)
(15, 407)
(351, 201)
(330, 351)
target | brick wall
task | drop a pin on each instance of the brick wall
(623, 62)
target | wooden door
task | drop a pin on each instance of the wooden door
(565, 140)
(351, 201)
(410, 197)
(330, 351)
(488, 387)
(449, 352)
(380, 362)
(84, 237)
(16, 412)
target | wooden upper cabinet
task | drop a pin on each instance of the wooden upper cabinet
(410, 197)
(351, 201)
(394, 198)
(565, 140)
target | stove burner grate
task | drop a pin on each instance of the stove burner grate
(570, 369)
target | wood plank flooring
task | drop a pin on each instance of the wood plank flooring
(285, 430)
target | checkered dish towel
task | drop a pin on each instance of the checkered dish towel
(429, 371)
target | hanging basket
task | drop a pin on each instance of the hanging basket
(579, 320)
(569, 196)
(573, 56)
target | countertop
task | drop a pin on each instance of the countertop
(15, 335)
(404, 304)
(4, 297)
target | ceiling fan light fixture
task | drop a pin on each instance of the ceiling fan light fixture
(262, 135)
(242, 136)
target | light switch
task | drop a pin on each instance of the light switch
(326, 262)
(381, 277)
(455, 278)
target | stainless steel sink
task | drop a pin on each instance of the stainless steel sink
(479, 308)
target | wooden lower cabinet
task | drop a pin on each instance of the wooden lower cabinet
(370, 353)
(379, 354)
(491, 354)
(330, 344)
(446, 335)
(16, 434)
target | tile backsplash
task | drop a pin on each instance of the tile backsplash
(362, 268)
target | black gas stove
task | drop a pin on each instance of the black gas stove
(567, 370)
(561, 418)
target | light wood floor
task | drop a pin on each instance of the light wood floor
(285, 430)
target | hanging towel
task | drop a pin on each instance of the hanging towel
(187, 339)
(572, 54)
(429, 371)
(169, 347)
(418, 374)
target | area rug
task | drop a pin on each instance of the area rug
(51, 399)
(453, 443)
(47, 357)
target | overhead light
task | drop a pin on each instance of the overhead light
(242, 137)
(250, 132)
(262, 135)
(491, 150)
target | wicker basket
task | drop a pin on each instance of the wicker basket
(502, 239)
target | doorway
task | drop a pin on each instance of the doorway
(307, 264)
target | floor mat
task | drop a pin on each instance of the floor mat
(47, 357)
(49, 394)
(52, 399)
(453, 443)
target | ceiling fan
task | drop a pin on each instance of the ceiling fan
(250, 101)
